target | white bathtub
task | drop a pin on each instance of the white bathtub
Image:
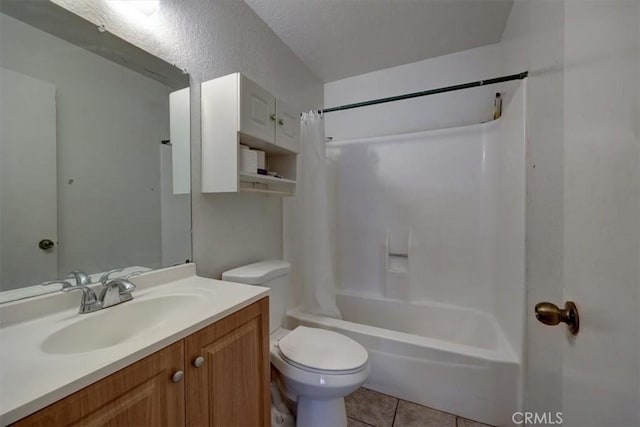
(449, 358)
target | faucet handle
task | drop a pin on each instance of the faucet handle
(104, 279)
(89, 300)
(130, 275)
(124, 285)
(65, 284)
(81, 278)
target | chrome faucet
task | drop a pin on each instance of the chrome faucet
(117, 290)
(113, 292)
(105, 277)
(89, 302)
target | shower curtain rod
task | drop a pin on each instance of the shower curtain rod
(518, 76)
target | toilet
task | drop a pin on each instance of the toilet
(318, 367)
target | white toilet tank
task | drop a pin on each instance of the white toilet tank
(273, 274)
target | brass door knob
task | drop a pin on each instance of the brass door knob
(550, 314)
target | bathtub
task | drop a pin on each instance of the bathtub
(449, 358)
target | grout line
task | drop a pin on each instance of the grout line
(360, 421)
(396, 412)
(357, 419)
(379, 392)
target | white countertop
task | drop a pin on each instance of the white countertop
(31, 378)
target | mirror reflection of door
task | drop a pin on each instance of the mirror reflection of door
(28, 189)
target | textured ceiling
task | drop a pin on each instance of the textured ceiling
(343, 38)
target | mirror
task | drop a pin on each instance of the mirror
(94, 152)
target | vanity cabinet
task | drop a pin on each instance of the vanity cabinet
(140, 394)
(236, 110)
(229, 386)
(227, 366)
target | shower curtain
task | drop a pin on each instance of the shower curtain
(316, 260)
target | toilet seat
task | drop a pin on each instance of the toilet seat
(322, 351)
(320, 371)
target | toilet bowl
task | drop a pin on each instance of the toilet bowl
(318, 368)
(319, 380)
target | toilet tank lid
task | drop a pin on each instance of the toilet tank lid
(257, 273)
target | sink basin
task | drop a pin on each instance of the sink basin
(120, 323)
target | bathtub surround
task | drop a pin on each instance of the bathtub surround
(446, 198)
(433, 222)
(316, 256)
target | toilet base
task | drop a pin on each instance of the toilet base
(321, 412)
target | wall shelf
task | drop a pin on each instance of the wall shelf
(264, 179)
(256, 183)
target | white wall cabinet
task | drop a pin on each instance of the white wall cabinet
(257, 109)
(236, 110)
(287, 126)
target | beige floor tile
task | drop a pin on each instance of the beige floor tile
(463, 422)
(413, 415)
(371, 407)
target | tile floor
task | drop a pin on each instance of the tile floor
(368, 408)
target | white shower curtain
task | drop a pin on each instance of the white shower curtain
(316, 260)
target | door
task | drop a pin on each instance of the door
(287, 127)
(597, 372)
(28, 189)
(257, 111)
(147, 393)
(228, 370)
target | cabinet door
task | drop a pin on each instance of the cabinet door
(142, 394)
(257, 111)
(231, 386)
(287, 127)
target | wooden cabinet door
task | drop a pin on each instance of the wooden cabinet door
(287, 127)
(231, 387)
(257, 111)
(142, 394)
